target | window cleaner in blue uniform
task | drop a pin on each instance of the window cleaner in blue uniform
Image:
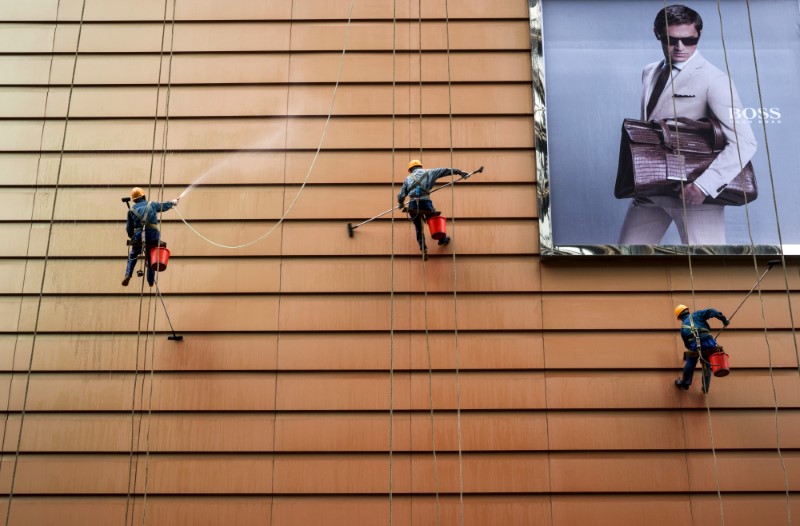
(417, 187)
(694, 329)
(143, 218)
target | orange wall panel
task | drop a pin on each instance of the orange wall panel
(118, 392)
(253, 167)
(313, 359)
(156, 432)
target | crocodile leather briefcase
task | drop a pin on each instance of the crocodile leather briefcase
(655, 156)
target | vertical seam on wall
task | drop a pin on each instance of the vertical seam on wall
(391, 264)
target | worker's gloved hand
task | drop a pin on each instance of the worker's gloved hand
(174, 202)
(725, 322)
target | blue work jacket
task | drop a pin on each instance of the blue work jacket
(144, 215)
(418, 184)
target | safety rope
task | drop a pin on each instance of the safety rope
(692, 284)
(44, 269)
(753, 251)
(772, 186)
(539, 131)
(164, 143)
(424, 255)
(310, 168)
(546, 406)
(704, 363)
(275, 390)
(136, 431)
(430, 384)
(455, 268)
(30, 229)
(783, 265)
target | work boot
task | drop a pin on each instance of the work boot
(679, 383)
(126, 280)
(444, 241)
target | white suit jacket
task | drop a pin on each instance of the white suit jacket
(702, 90)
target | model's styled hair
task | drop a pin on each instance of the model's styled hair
(677, 15)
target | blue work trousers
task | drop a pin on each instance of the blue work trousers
(708, 346)
(151, 240)
(418, 211)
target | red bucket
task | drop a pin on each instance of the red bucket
(159, 257)
(719, 364)
(436, 225)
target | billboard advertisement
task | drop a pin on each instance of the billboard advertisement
(667, 128)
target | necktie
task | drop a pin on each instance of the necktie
(661, 81)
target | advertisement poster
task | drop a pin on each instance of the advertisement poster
(596, 64)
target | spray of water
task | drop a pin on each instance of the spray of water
(205, 174)
(261, 143)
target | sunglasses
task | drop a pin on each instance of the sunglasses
(686, 41)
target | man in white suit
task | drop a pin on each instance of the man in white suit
(685, 84)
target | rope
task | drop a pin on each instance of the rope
(455, 269)
(692, 279)
(772, 185)
(44, 269)
(786, 278)
(313, 161)
(430, 387)
(30, 230)
(280, 284)
(158, 291)
(539, 123)
(424, 255)
(683, 423)
(137, 432)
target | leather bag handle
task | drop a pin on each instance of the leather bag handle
(666, 135)
(710, 122)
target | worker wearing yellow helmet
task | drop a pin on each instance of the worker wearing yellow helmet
(696, 330)
(417, 187)
(142, 225)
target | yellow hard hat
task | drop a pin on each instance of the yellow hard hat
(136, 193)
(679, 309)
(414, 164)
